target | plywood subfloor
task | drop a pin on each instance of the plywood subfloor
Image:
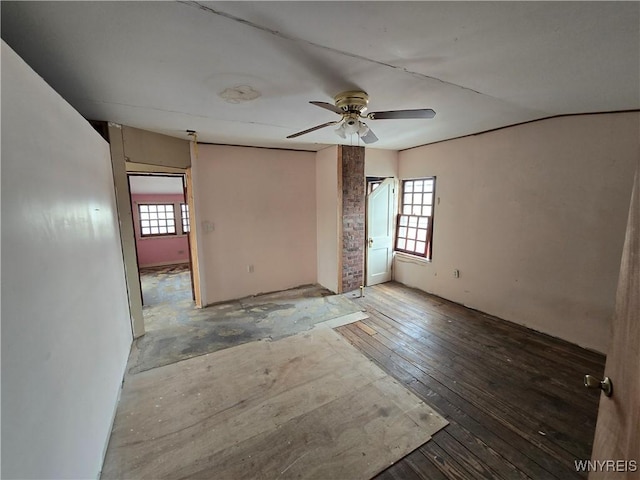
(306, 406)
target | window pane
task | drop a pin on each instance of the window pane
(411, 245)
(404, 220)
(146, 230)
(423, 222)
(417, 198)
(417, 210)
(420, 247)
(144, 208)
(422, 235)
(426, 211)
(411, 233)
(428, 185)
(408, 186)
(413, 221)
(153, 215)
(162, 215)
(407, 198)
(154, 230)
(417, 186)
(144, 216)
(153, 208)
(402, 231)
(144, 223)
(406, 209)
(169, 208)
(402, 243)
(428, 199)
(162, 229)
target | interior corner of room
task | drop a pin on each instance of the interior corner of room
(521, 222)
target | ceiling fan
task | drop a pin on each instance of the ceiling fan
(351, 106)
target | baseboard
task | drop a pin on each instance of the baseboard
(115, 410)
(164, 264)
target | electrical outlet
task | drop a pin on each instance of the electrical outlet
(456, 273)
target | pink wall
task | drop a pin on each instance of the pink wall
(159, 250)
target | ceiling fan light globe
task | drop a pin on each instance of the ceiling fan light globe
(351, 127)
(340, 131)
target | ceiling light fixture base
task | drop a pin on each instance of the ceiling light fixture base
(352, 101)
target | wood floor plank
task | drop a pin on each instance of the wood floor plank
(515, 449)
(514, 397)
(447, 462)
(464, 456)
(474, 381)
(552, 400)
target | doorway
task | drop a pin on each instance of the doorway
(380, 215)
(162, 224)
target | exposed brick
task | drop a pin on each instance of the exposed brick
(353, 217)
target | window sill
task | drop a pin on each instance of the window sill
(408, 258)
(154, 237)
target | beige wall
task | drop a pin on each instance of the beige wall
(260, 205)
(380, 163)
(534, 217)
(142, 146)
(328, 217)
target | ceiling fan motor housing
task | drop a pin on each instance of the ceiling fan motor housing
(352, 101)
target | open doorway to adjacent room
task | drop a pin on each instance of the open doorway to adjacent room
(161, 226)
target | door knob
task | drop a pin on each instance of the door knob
(370, 242)
(605, 385)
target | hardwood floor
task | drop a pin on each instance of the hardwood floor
(514, 398)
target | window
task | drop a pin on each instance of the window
(415, 221)
(371, 186)
(157, 219)
(184, 214)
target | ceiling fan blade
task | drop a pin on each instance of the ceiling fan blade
(393, 114)
(328, 106)
(313, 129)
(369, 137)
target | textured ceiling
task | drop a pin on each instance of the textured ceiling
(162, 66)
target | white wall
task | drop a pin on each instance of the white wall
(262, 206)
(380, 163)
(65, 321)
(329, 217)
(534, 217)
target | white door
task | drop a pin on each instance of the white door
(380, 215)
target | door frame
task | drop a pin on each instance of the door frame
(182, 177)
